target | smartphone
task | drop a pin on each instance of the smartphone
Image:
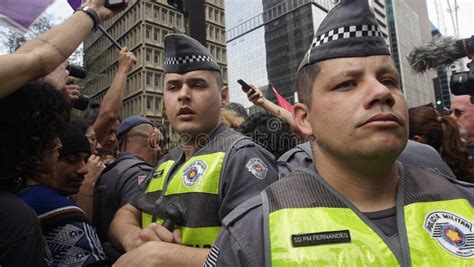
(245, 86)
(114, 3)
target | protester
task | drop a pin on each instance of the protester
(231, 119)
(269, 131)
(120, 182)
(463, 111)
(427, 126)
(32, 116)
(238, 108)
(32, 119)
(196, 184)
(43, 54)
(360, 207)
(69, 235)
(108, 118)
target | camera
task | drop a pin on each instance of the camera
(78, 72)
(462, 83)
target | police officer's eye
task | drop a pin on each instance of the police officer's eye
(457, 112)
(345, 85)
(390, 82)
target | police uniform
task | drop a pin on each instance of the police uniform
(415, 154)
(118, 185)
(302, 220)
(227, 168)
(433, 223)
(120, 182)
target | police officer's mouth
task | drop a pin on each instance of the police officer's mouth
(185, 112)
(383, 119)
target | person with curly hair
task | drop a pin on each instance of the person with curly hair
(32, 119)
(441, 132)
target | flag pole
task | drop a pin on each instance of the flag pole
(106, 33)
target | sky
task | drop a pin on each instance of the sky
(62, 10)
(445, 24)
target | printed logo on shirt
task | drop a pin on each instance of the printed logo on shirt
(194, 172)
(140, 179)
(453, 233)
(257, 167)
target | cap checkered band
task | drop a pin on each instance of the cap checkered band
(187, 59)
(346, 32)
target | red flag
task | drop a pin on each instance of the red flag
(282, 101)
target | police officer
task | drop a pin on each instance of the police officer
(358, 206)
(195, 185)
(120, 182)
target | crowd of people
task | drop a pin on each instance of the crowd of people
(350, 177)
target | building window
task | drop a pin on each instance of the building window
(156, 34)
(156, 57)
(158, 104)
(157, 79)
(148, 78)
(148, 32)
(149, 99)
(148, 55)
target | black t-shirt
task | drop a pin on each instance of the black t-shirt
(386, 220)
(21, 240)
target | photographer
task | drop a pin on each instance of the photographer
(43, 54)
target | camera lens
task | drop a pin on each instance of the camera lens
(462, 83)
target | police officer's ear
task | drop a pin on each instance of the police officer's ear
(224, 95)
(301, 119)
(152, 140)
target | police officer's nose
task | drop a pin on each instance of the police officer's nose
(378, 94)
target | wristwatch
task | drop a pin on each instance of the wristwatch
(92, 13)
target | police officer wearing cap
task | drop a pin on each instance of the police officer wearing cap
(212, 170)
(120, 182)
(358, 206)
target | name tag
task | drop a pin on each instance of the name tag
(314, 239)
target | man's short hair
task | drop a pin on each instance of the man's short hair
(219, 78)
(304, 82)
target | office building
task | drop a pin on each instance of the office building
(141, 28)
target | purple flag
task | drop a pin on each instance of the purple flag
(75, 4)
(22, 13)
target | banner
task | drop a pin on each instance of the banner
(22, 13)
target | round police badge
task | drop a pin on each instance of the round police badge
(257, 167)
(453, 233)
(193, 172)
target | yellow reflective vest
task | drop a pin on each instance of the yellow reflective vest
(307, 223)
(194, 186)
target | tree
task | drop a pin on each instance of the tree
(12, 40)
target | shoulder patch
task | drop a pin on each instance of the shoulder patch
(141, 178)
(453, 233)
(257, 167)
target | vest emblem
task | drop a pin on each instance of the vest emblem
(193, 172)
(257, 167)
(453, 233)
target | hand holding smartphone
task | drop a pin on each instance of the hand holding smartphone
(245, 86)
(114, 3)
